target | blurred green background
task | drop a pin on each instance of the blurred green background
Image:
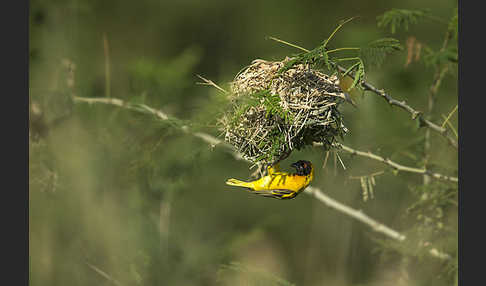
(117, 197)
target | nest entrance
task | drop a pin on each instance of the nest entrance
(275, 112)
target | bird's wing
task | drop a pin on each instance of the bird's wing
(277, 194)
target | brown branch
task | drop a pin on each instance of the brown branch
(403, 105)
(210, 83)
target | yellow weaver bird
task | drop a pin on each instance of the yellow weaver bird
(280, 185)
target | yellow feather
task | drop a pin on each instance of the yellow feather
(269, 185)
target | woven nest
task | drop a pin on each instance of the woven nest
(275, 112)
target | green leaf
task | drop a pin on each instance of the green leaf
(453, 25)
(289, 64)
(397, 18)
(374, 53)
(350, 69)
(358, 75)
(432, 58)
(316, 56)
(325, 58)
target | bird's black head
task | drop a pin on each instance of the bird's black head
(302, 167)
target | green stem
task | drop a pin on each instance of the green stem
(350, 69)
(337, 29)
(436, 19)
(289, 44)
(347, 59)
(450, 126)
(449, 116)
(342, 49)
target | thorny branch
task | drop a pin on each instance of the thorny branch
(402, 104)
(317, 193)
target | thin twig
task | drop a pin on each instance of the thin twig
(347, 59)
(450, 126)
(342, 49)
(210, 83)
(103, 274)
(288, 44)
(337, 29)
(392, 164)
(340, 161)
(446, 120)
(325, 160)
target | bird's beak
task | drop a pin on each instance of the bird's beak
(297, 166)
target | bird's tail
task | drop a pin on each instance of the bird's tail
(238, 183)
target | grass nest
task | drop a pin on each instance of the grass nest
(275, 110)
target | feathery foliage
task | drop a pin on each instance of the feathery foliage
(398, 18)
(374, 53)
(437, 58)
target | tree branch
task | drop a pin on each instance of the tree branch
(212, 141)
(356, 214)
(360, 216)
(392, 164)
(403, 105)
